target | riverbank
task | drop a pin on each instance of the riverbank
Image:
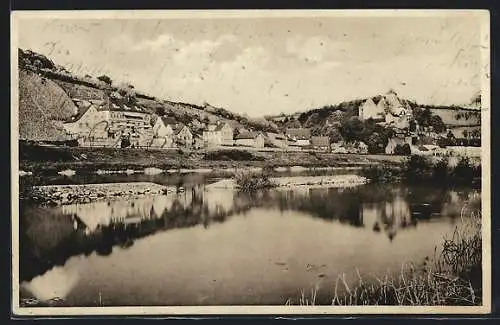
(453, 277)
(86, 193)
(47, 160)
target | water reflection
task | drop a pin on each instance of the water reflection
(50, 236)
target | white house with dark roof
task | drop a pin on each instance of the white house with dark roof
(299, 137)
(320, 142)
(250, 139)
(183, 135)
(106, 122)
(226, 133)
(163, 129)
(220, 134)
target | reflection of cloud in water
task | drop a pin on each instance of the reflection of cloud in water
(56, 283)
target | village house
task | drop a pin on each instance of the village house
(183, 136)
(299, 137)
(250, 139)
(320, 142)
(106, 123)
(220, 134)
(164, 133)
(211, 137)
(276, 140)
(226, 133)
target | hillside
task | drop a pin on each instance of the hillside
(46, 90)
(43, 105)
(466, 115)
(327, 120)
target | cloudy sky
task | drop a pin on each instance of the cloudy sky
(270, 65)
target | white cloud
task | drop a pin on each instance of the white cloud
(314, 49)
(231, 71)
(163, 40)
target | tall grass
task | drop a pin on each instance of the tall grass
(452, 277)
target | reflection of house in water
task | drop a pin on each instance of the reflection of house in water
(104, 213)
(99, 226)
(219, 201)
(452, 207)
(389, 216)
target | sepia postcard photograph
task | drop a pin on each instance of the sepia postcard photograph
(189, 162)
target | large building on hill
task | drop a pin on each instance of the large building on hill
(106, 123)
(372, 108)
(388, 109)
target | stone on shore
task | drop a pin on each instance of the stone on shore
(85, 193)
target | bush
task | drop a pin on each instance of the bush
(420, 169)
(406, 150)
(440, 171)
(417, 168)
(250, 182)
(125, 143)
(381, 173)
(398, 150)
(464, 171)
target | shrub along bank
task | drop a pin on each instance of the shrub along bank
(418, 169)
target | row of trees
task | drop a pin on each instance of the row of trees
(426, 119)
(375, 136)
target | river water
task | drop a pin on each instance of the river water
(221, 247)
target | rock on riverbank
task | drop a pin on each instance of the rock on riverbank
(85, 193)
